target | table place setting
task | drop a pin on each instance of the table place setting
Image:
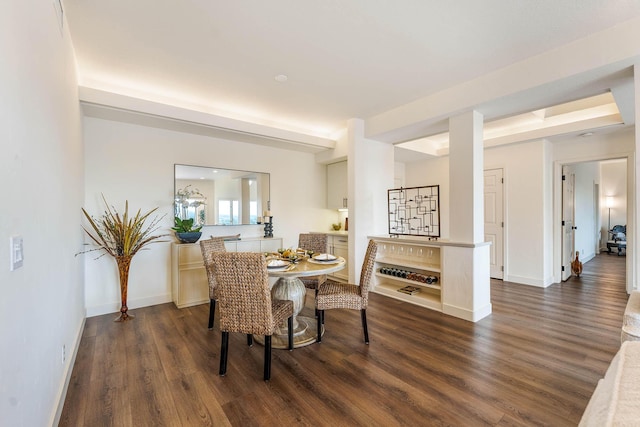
(280, 265)
(324, 259)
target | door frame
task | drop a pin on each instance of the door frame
(503, 211)
(556, 215)
(568, 178)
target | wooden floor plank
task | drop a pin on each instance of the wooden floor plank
(534, 361)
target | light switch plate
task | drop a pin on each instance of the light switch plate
(16, 251)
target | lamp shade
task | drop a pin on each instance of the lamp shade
(608, 201)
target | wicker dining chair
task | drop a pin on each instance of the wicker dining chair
(316, 242)
(208, 247)
(245, 303)
(342, 295)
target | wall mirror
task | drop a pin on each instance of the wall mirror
(217, 196)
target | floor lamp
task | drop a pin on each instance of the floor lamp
(609, 204)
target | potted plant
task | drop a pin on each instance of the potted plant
(122, 237)
(185, 231)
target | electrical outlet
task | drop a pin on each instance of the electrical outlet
(64, 353)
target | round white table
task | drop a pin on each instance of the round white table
(289, 287)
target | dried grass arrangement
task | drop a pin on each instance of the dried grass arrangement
(122, 236)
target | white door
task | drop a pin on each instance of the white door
(568, 219)
(493, 220)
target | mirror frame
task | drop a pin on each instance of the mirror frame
(190, 175)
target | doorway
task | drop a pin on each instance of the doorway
(494, 220)
(568, 219)
(582, 216)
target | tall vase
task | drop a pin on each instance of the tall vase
(124, 262)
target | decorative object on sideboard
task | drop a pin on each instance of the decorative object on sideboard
(190, 203)
(409, 275)
(122, 236)
(336, 227)
(414, 211)
(185, 231)
(268, 226)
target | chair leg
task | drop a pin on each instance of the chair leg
(320, 322)
(224, 351)
(290, 332)
(212, 310)
(363, 314)
(249, 340)
(316, 300)
(267, 357)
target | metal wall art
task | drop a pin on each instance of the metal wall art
(415, 211)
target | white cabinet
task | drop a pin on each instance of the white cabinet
(338, 245)
(337, 188)
(400, 264)
(189, 277)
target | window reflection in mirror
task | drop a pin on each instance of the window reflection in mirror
(217, 196)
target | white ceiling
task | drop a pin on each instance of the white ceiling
(344, 59)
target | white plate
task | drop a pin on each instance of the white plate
(325, 257)
(277, 263)
(333, 261)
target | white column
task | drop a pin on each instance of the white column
(466, 289)
(466, 163)
(370, 174)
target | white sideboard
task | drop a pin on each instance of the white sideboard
(407, 263)
(189, 277)
(451, 277)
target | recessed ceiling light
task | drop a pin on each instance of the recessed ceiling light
(281, 78)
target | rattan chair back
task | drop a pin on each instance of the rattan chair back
(244, 296)
(367, 271)
(316, 242)
(208, 247)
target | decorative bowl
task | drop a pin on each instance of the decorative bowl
(336, 227)
(190, 237)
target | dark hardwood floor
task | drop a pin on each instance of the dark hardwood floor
(534, 361)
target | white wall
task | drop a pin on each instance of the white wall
(432, 172)
(525, 204)
(41, 176)
(530, 206)
(135, 163)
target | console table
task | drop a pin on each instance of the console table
(190, 285)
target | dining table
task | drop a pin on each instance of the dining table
(290, 287)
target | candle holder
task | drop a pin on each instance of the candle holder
(268, 227)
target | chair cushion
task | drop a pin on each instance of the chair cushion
(312, 282)
(339, 295)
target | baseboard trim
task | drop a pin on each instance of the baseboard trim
(67, 374)
(465, 314)
(99, 310)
